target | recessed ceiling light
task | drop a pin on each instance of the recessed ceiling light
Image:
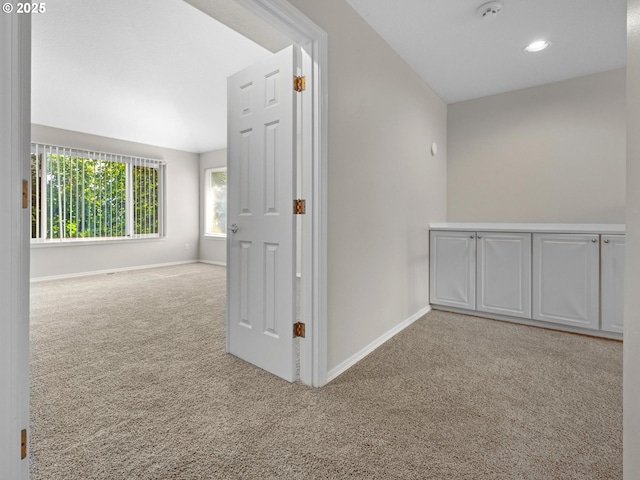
(537, 46)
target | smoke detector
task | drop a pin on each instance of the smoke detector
(489, 11)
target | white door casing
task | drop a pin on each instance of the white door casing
(612, 257)
(15, 129)
(261, 188)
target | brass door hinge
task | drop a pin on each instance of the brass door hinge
(23, 444)
(299, 207)
(298, 330)
(25, 194)
(299, 83)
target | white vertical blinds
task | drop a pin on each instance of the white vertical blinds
(85, 194)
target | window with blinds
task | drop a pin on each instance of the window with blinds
(82, 194)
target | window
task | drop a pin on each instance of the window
(79, 194)
(215, 187)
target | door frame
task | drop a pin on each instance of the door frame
(313, 42)
(15, 135)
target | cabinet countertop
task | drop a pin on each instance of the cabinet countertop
(588, 228)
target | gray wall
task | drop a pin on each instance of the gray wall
(384, 186)
(632, 279)
(212, 249)
(182, 199)
(554, 153)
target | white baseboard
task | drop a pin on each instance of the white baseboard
(111, 270)
(353, 359)
(211, 262)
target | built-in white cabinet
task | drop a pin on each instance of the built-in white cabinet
(566, 279)
(503, 273)
(453, 269)
(567, 275)
(484, 271)
(612, 252)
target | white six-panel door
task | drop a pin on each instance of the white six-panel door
(261, 252)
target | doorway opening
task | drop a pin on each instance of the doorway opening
(309, 169)
(313, 182)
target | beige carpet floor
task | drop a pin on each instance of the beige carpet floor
(130, 380)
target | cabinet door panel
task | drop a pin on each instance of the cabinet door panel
(566, 279)
(504, 273)
(453, 263)
(612, 282)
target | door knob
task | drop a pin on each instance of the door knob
(233, 228)
(606, 241)
(594, 240)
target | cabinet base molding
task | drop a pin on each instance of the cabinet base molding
(531, 323)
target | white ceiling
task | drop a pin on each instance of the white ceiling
(463, 57)
(148, 71)
(154, 71)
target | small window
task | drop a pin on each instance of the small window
(215, 202)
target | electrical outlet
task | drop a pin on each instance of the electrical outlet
(186, 246)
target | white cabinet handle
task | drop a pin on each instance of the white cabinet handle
(594, 240)
(470, 236)
(479, 236)
(606, 241)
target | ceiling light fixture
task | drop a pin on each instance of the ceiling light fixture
(489, 11)
(537, 46)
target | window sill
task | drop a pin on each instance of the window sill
(215, 236)
(76, 242)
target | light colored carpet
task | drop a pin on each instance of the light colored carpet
(131, 381)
